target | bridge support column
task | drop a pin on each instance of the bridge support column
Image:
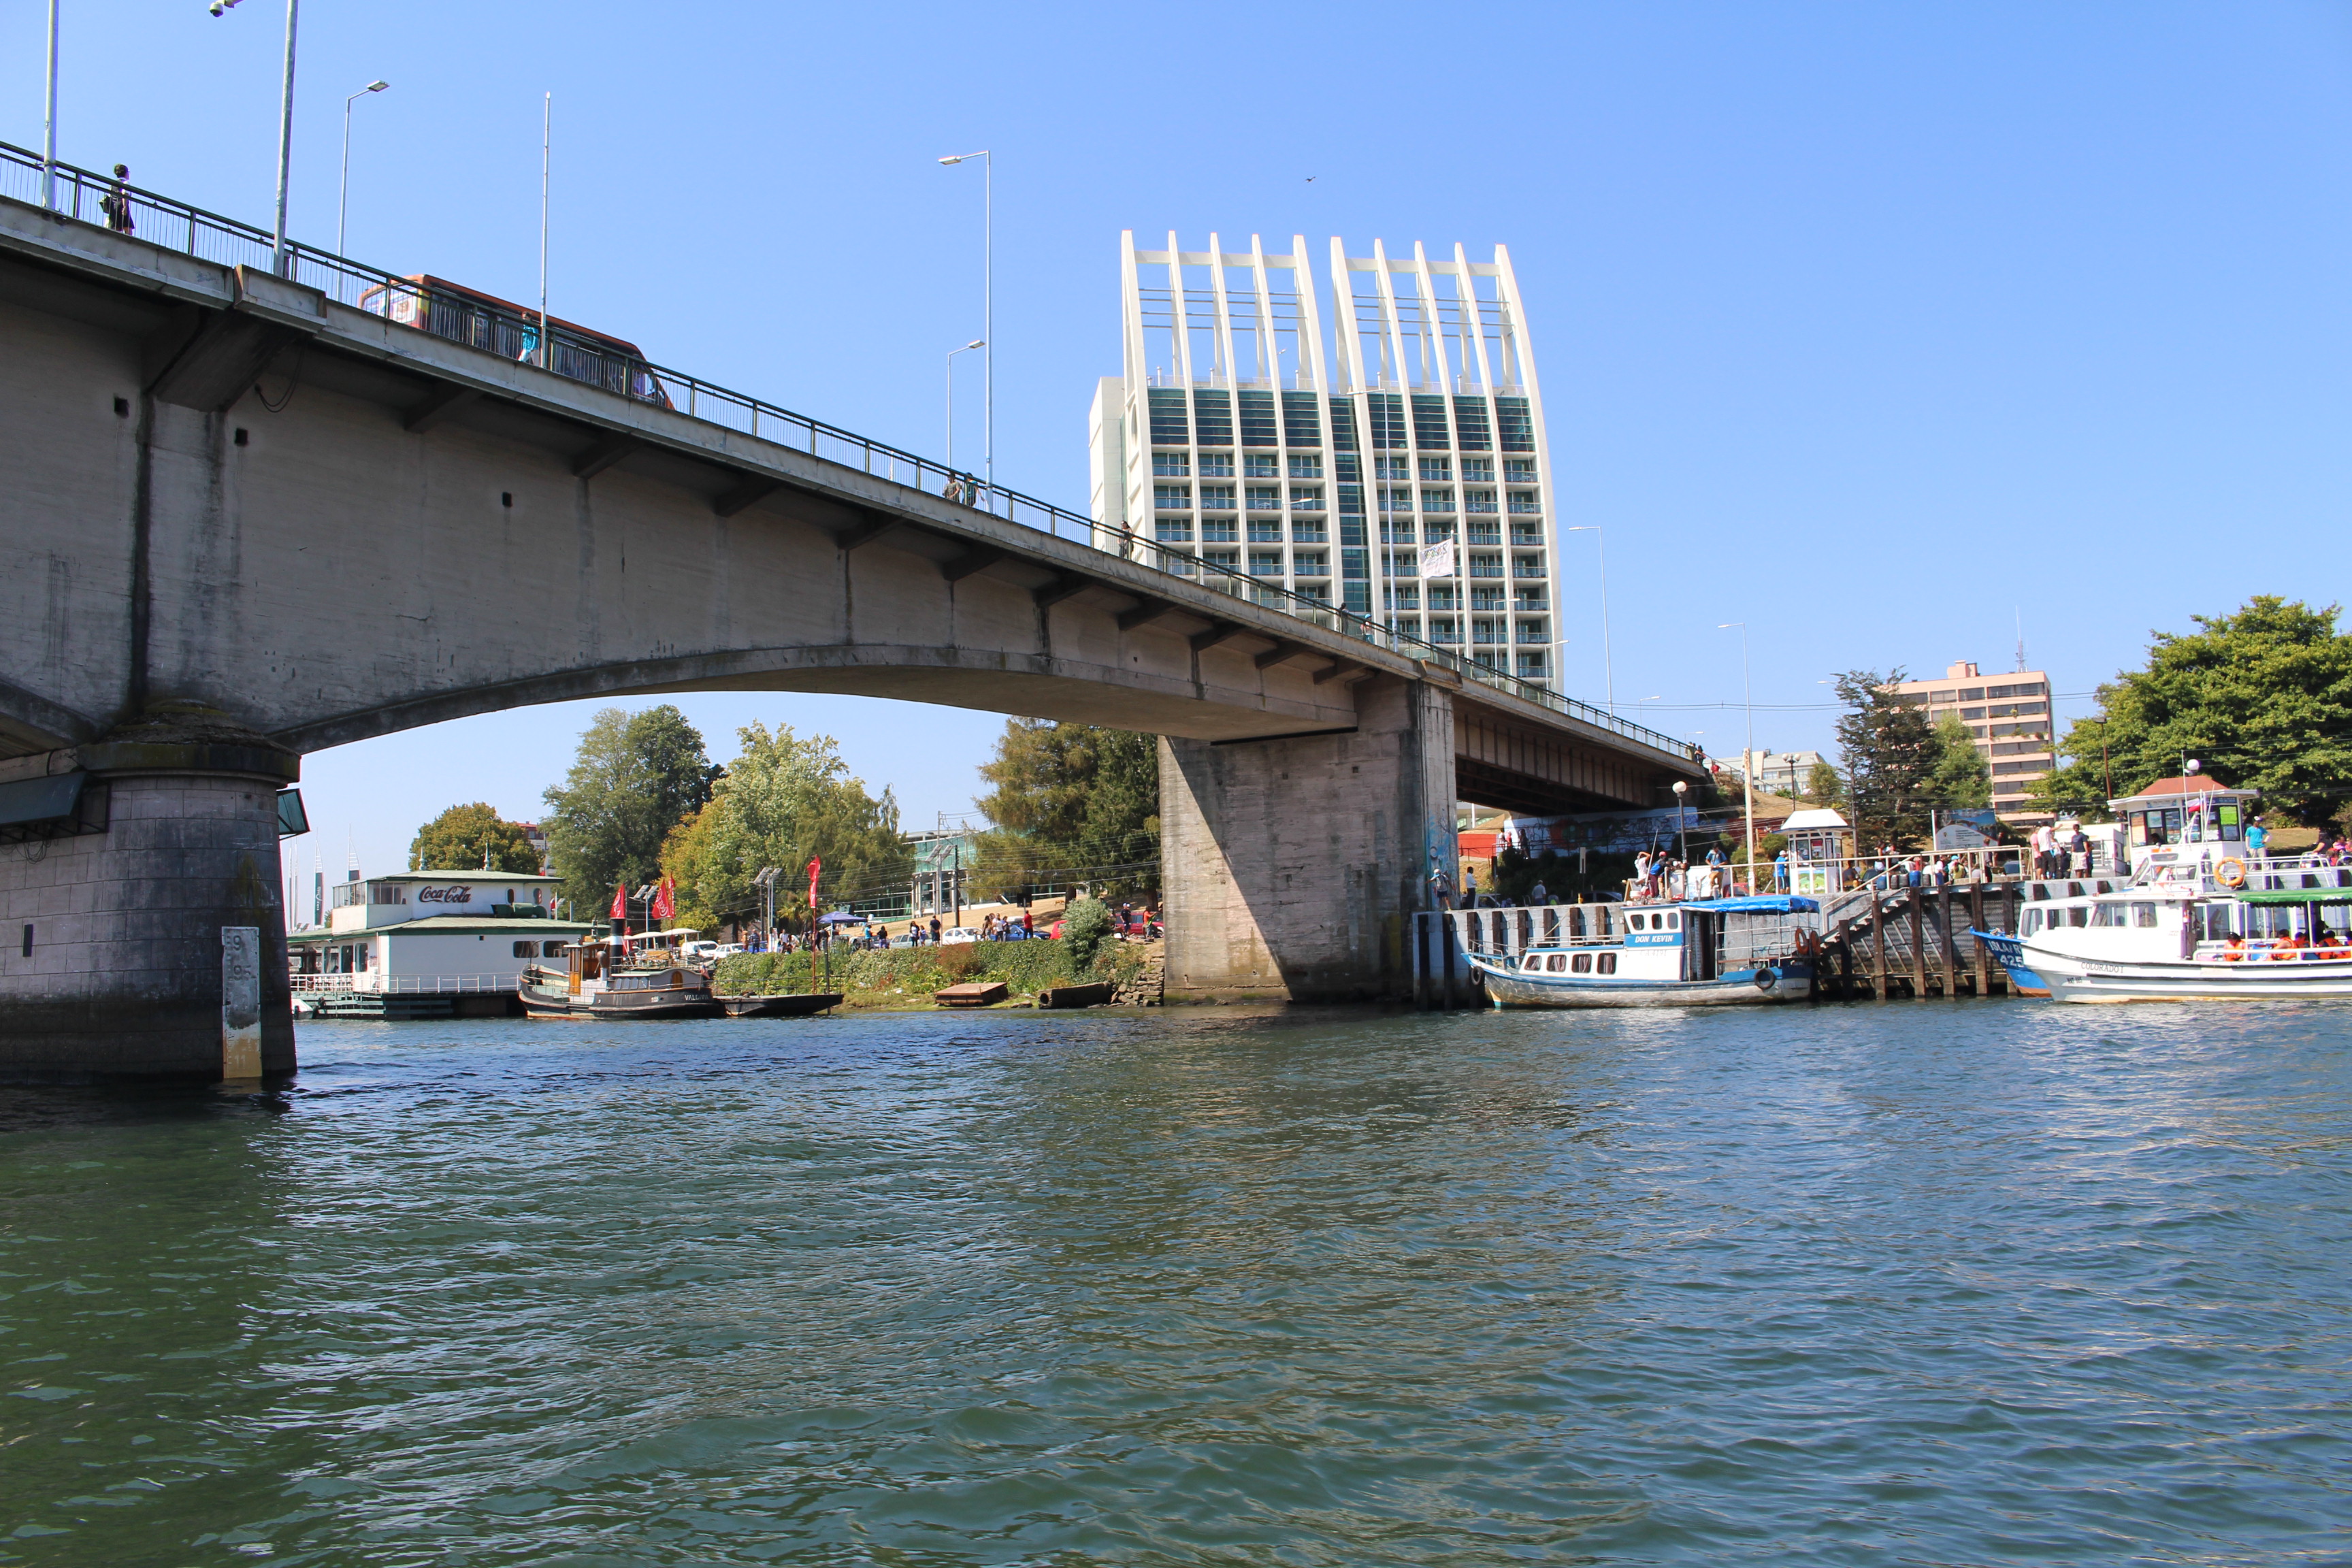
(112, 968)
(1290, 866)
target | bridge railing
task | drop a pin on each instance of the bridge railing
(511, 332)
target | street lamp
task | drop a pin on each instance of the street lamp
(988, 309)
(1682, 822)
(279, 260)
(343, 188)
(49, 122)
(1748, 758)
(975, 343)
(1608, 663)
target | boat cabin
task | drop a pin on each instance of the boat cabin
(1717, 939)
(2185, 811)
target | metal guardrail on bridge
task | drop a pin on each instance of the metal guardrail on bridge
(86, 196)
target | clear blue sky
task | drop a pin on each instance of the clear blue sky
(1873, 325)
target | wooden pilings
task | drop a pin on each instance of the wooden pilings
(1914, 942)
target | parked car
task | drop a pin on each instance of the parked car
(729, 949)
(702, 952)
(954, 934)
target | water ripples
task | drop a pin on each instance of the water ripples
(1863, 1285)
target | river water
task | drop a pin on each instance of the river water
(1909, 1283)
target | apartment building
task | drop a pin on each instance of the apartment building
(1241, 434)
(2009, 717)
(1780, 773)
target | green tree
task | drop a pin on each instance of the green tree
(785, 800)
(1823, 787)
(458, 839)
(1085, 925)
(635, 778)
(1962, 776)
(1890, 756)
(1070, 802)
(2262, 697)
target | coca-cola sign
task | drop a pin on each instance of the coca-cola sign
(450, 895)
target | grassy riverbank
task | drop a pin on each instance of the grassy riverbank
(903, 978)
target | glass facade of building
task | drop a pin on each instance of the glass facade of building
(1241, 421)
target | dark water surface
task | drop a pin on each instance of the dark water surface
(1923, 1283)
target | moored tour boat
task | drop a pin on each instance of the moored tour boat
(1709, 953)
(639, 977)
(2203, 918)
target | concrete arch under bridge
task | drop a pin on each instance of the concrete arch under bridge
(253, 523)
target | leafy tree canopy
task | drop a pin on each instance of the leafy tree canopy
(635, 777)
(1961, 777)
(1076, 799)
(1823, 787)
(1890, 755)
(2262, 697)
(785, 800)
(458, 839)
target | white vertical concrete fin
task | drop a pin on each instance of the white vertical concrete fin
(1433, 327)
(1473, 322)
(1224, 330)
(1180, 322)
(1311, 329)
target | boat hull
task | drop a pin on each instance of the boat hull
(800, 1006)
(610, 1006)
(2022, 980)
(1512, 988)
(2075, 979)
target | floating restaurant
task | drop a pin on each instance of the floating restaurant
(428, 944)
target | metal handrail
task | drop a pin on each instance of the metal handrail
(160, 220)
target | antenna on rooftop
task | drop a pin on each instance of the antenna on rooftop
(2020, 640)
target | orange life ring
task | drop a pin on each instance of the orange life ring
(2229, 873)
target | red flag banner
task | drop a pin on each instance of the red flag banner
(816, 866)
(665, 904)
(621, 902)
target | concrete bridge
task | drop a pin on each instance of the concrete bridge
(247, 520)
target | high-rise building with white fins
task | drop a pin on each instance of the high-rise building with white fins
(1324, 463)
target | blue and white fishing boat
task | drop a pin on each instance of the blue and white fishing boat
(1709, 953)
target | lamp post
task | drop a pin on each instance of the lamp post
(1748, 757)
(975, 343)
(988, 309)
(1608, 662)
(1682, 822)
(546, 143)
(343, 186)
(280, 261)
(49, 122)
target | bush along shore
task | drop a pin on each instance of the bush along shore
(903, 978)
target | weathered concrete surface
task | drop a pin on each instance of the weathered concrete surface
(1289, 865)
(122, 979)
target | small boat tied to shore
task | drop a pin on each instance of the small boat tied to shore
(1710, 953)
(644, 976)
(2204, 918)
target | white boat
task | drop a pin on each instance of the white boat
(1710, 954)
(2202, 919)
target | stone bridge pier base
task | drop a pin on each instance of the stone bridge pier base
(1288, 865)
(112, 953)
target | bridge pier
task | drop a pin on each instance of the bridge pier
(112, 968)
(1290, 865)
